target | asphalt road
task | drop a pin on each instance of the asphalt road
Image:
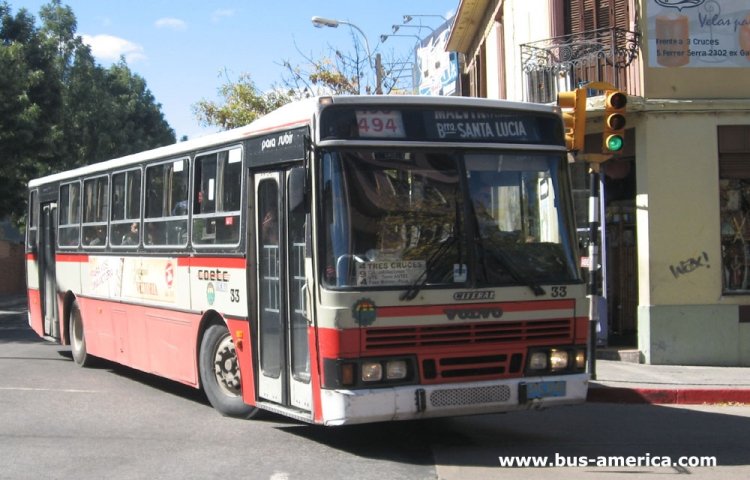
(61, 421)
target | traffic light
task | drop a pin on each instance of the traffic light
(573, 105)
(613, 139)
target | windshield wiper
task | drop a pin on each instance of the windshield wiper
(516, 275)
(411, 292)
(503, 260)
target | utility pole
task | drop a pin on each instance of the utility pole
(378, 75)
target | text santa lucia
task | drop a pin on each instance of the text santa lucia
(477, 125)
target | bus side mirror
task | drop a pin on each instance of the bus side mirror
(297, 193)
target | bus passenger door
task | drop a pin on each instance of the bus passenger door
(47, 279)
(284, 373)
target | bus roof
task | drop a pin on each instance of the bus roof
(291, 115)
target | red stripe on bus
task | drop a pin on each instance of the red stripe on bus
(421, 310)
(71, 257)
(211, 262)
(31, 256)
(35, 310)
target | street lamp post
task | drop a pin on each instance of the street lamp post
(409, 18)
(420, 27)
(321, 22)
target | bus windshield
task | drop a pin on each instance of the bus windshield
(394, 218)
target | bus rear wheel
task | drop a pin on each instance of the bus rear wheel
(77, 337)
(220, 374)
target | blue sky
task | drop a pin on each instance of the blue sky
(182, 48)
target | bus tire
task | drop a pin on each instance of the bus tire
(220, 374)
(77, 337)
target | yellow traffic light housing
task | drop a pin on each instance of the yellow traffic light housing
(613, 138)
(573, 105)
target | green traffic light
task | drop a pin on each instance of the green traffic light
(614, 143)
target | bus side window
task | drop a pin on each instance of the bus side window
(126, 209)
(165, 222)
(69, 227)
(217, 198)
(33, 219)
(95, 211)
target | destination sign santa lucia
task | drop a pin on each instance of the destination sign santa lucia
(459, 124)
(468, 125)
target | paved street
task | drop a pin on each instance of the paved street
(61, 421)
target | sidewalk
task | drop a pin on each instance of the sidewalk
(625, 382)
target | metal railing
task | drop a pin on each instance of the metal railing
(564, 63)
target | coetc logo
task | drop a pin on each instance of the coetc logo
(365, 312)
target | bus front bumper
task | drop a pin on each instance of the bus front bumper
(343, 407)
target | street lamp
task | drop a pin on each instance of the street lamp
(385, 37)
(420, 27)
(320, 22)
(409, 18)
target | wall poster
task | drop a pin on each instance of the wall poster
(699, 33)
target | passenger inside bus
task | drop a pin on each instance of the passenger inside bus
(99, 238)
(131, 237)
(270, 228)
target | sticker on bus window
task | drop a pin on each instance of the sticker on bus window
(235, 155)
(459, 272)
(380, 124)
(396, 272)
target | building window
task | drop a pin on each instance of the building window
(734, 201)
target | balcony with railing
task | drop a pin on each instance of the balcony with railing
(564, 63)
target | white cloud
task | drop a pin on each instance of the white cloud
(111, 48)
(219, 14)
(171, 23)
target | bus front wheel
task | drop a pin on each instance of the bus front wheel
(220, 374)
(77, 337)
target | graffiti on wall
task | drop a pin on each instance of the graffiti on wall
(690, 265)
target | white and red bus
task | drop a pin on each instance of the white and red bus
(340, 260)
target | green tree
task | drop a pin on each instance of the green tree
(30, 101)
(59, 109)
(336, 75)
(241, 103)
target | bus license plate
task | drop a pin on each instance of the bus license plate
(545, 389)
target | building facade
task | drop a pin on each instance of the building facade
(676, 202)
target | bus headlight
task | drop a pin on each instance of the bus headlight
(396, 369)
(372, 371)
(580, 359)
(538, 361)
(369, 372)
(558, 360)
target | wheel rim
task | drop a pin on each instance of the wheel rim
(226, 369)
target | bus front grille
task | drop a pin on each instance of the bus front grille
(469, 396)
(425, 337)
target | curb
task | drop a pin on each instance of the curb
(686, 396)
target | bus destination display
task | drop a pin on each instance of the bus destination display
(446, 125)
